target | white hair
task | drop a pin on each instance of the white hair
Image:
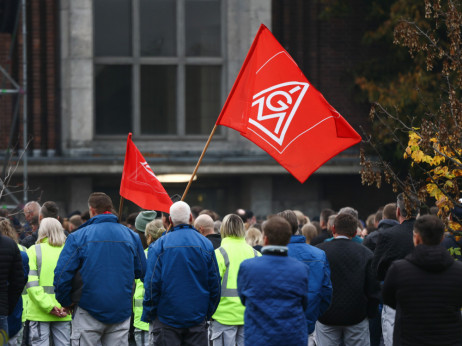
(180, 213)
(53, 230)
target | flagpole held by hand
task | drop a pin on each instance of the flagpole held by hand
(121, 204)
(199, 162)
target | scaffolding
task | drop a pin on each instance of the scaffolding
(21, 91)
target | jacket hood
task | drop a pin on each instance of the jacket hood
(387, 223)
(297, 239)
(431, 258)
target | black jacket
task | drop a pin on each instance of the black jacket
(215, 239)
(356, 291)
(392, 244)
(424, 288)
(371, 240)
(325, 234)
(11, 275)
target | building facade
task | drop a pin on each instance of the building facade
(162, 69)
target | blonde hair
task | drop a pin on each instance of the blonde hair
(254, 237)
(232, 226)
(53, 230)
(302, 218)
(154, 229)
(7, 229)
(309, 231)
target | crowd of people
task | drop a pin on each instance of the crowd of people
(190, 277)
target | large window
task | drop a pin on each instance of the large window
(158, 66)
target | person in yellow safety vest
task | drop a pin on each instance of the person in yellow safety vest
(152, 229)
(227, 327)
(48, 320)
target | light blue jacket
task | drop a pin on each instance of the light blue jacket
(319, 284)
(106, 257)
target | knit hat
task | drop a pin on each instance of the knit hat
(143, 219)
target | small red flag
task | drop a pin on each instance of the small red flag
(273, 105)
(139, 183)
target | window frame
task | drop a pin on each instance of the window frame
(180, 61)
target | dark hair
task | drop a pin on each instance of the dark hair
(389, 211)
(100, 202)
(409, 206)
(277, 230)
(195, 210)
(291, 218)
(378, 215)
(345, 224)
(325, 213)
(132, 217)
(430, 228)
(210, 213)
(49, 209)
(85, 216)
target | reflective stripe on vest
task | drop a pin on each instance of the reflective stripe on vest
(38, 255)
(138, 303)
(225, 291)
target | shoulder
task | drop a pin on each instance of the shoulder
(7, 242)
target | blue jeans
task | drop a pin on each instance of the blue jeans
(3, 330)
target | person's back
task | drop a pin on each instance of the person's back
(11, 279)
(107, 253)
(227, 326)
(350, 265)
(356, 291)
(424, 288)
(274, 289)
(95, 274)
(181, 254)
(320, 287)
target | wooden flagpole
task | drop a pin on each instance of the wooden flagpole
(121, 204)
(199, 162)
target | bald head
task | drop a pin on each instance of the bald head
(204, 224)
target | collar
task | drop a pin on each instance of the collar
(297, 238)
(184, 226)
(275, 250)
(341, 237)
(232, 240)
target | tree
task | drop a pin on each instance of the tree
(420, 110)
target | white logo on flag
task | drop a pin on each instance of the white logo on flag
(289, 95)
(147, 168)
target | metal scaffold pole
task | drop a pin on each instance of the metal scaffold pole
(24, 95)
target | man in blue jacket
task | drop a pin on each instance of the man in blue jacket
(95, 275)
(320, 287)
(182, 284)
(274, 290)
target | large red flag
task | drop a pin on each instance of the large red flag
(139, 183)
(273, 105)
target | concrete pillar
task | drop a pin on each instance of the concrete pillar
(261, 196)
(79, 190)
(76, 23)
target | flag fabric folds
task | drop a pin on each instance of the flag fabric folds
(139, 183)
(273, 105)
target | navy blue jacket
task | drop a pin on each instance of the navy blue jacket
(319, 286)
(274, 289)
(108, 257)
(182, 283)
